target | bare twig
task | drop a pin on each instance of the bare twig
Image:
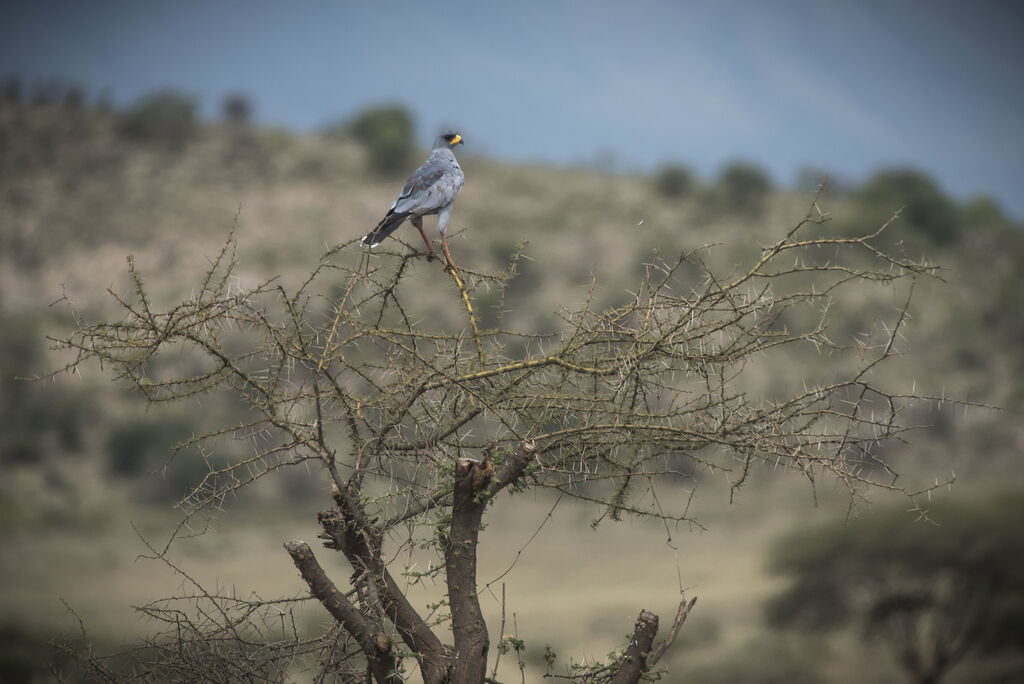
(681, 614)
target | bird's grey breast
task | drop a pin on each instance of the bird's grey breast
(433, 185)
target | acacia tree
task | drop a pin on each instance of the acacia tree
(419, 425)
(933, 593)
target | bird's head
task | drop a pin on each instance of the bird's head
(448, 139)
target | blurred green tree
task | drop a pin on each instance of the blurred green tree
(74, 98)
(926, 208)
(12, 90)
(165, 116)
(236, 109)
(32, 421)
(933, 591)
(25, 655)
(387, 134)
(143, 446)
(47, 92)
(994, 265)
(674, 181)
(744, 188)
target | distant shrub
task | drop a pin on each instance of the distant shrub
(47, 92)
(674, 181)
(130, 446)
(926, 208)
(13, 89)
(165, 116)
(387, 133)
(33, 416)
(135, 447)
(769, 659)
(808, 178)
(1003, 312)
(74, 98)
(25, 655)
(236, 109)
(908, 584)
(105, 101)
(743, 188)
(985, 213)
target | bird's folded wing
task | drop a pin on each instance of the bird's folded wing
(421, 179)
(432, 186)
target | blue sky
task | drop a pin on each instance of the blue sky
(843, 86)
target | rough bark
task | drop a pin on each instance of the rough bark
(348, 529)
(342, 533)
(470, 632)
(372, 638)
(512, 468)
(634, 662)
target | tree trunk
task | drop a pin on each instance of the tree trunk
(374, 642)
(470, 632)
(634, 662)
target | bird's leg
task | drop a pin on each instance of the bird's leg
(448, 255)
(418, 222)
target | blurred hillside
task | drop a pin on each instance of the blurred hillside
(83, 187)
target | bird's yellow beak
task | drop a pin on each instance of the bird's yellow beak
(456, 140)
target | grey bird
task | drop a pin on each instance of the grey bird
(431, 189)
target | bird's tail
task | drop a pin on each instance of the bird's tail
(386, 227)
